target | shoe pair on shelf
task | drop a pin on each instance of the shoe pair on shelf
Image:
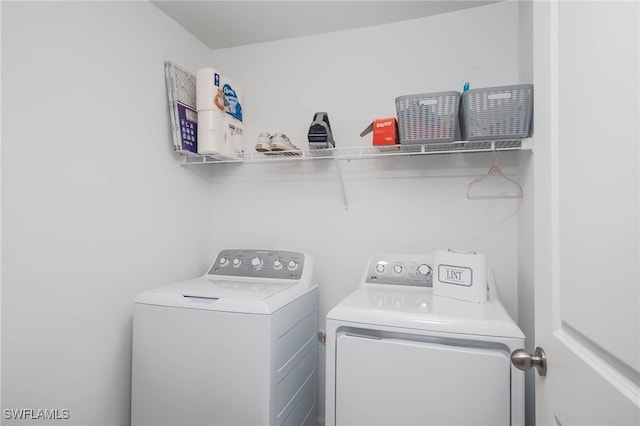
(274, 143)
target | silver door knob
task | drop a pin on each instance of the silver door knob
(523, 360)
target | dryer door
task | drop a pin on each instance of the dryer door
(404, 382)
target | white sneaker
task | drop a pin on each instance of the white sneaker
(280, 142)
(264, 142)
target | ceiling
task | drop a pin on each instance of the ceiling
(221, 24)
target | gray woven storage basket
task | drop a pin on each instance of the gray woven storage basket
(428, 117)
(491, 113)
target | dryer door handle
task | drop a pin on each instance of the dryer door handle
(523, 360)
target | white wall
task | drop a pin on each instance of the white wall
(395, 206)
(95, 207)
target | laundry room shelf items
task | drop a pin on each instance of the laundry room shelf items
(428, 118)
(504, 112)
(363, 152)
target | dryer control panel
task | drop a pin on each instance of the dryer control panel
(412, 270)
(256, 263)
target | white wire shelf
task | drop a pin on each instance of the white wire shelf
(363, 152)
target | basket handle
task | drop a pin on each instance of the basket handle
(431, 101)
(503, 95)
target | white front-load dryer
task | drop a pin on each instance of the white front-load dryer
(237, 346)
(398, 355)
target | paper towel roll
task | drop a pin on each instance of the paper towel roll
(207, 89)
(233, 135)
(232, 98)
(210, 134)
(238, 137)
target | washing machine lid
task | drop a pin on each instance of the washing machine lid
(254, 281)
(257, 296)
(227, 288)
(416, 308)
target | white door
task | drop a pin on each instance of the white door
(586, 154)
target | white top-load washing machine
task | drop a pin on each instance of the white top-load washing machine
(237, 346)
(398, 355)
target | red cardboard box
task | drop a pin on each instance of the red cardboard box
(385, 131)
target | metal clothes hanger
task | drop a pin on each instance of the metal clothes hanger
(495, 170)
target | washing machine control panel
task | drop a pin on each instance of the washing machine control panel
(259, 263)
(411, 270)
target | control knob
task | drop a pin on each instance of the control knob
(277, 264)
(237, 262)
(257, 263)
(223, 261)
(292, 265)
(424, 271)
